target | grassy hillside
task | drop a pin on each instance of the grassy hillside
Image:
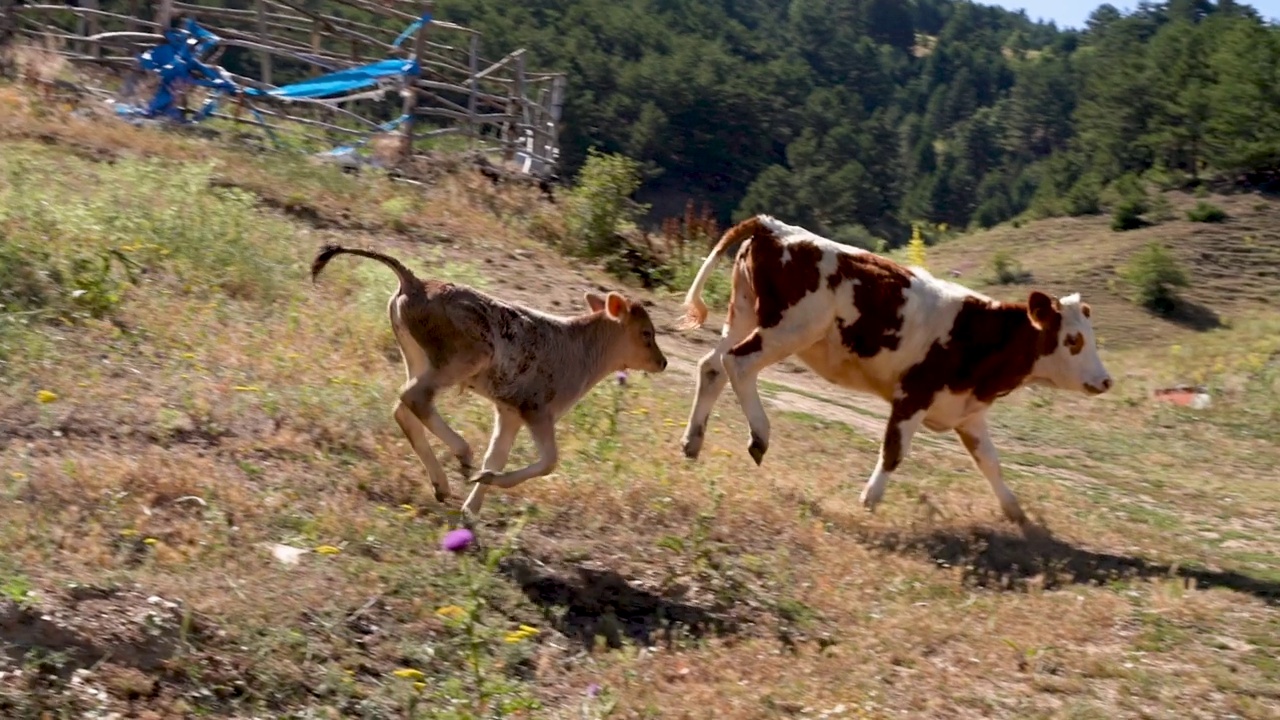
(1233, 265)
(180, 400)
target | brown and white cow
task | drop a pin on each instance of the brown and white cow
(938, 353)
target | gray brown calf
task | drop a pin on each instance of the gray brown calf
(532, 365)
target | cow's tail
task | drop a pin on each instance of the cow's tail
(408, 281)
(695, 310)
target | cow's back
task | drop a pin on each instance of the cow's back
(881, 317)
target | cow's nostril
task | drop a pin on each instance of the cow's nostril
(1106, 384)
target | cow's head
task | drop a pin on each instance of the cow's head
(638, 349)
(1073, 363)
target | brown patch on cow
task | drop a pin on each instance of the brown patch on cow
(1074, 343)
(991, 350)
(779, 285)
(891, 448)
(753, 343)
(1084, 308)
(969, 441)
(879, 292)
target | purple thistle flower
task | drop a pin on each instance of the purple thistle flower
(457, 540)
(622, 377)
(593, 690)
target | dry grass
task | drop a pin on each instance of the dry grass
(219, 403)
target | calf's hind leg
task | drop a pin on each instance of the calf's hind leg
(415, 364)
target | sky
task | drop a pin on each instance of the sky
(1073, 13)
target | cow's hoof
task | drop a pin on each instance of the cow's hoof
(442, 496)
(870, 498)
(757, 449)
(464, 462)
(484, 478)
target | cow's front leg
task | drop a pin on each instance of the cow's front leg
(976, 437)
(895, 446)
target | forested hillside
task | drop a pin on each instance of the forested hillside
(858, 117)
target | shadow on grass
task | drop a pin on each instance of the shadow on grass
(584, 603)
(1008, 560)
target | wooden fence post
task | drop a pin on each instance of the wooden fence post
(411, 92)
(165, 15)
(265, 59)
(473, 87)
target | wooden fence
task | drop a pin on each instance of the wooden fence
(458, 90)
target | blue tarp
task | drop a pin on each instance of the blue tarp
(341, 82)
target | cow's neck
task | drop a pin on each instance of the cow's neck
(1017, 357)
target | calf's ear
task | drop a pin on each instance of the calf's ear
(594, 301)
(616, 305)
(1042, 309)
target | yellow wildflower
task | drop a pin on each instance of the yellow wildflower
(17, 475)
(189, 356)
(409, 673)
(328, 550)
(247, 388)
(452, 612)
(419, 686)
(524, 633)
(46, 397)
(128, 532)
(151, 541)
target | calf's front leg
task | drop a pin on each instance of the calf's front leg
(976, 437)
(895, 446)
(506, 424)
(542, 429)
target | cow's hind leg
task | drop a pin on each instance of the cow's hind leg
(712, 377)
(744, 362)
(976, 437)
(902, 426)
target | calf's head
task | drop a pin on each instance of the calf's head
(1073, 363)
(637, 347)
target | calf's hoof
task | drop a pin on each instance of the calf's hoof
(757, 448)
(484, 478)
(1015, 515)
(692, 445)
(442, 495)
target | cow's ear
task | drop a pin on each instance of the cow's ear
(616, 305)
(594, 301)
(1042, 309)
(1084, 308)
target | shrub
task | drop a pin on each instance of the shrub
(1007, 269)
(1154, 274)
(1127, 215)
(1206, 212)
(1082, 198)
(600, 204)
